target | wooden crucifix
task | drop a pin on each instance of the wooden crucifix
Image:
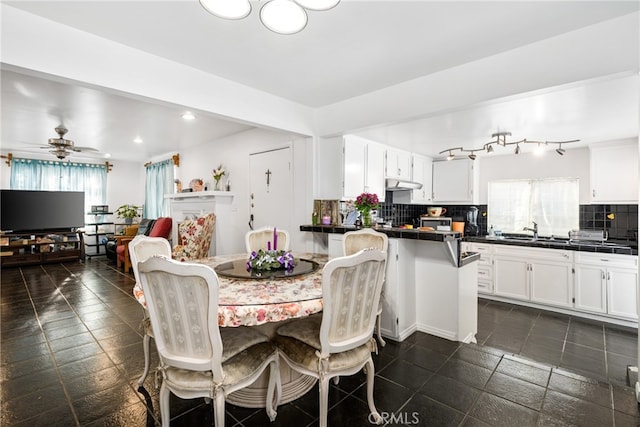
(268, 174)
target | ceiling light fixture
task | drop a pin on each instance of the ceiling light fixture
(500, 138)
(279, 16)
(188, 115)
(137, 140)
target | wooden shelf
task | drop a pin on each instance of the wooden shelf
(19, 249)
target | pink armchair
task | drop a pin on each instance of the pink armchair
(194, 238)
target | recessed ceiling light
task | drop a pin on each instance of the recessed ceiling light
(137, 140)
(188, 116)
(107, 155)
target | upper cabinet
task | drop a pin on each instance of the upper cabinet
(455, 181)
(614, 172)
(422, 172)
(348, 166)
(398, 164)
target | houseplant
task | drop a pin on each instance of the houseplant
(365, 203)
(128, 212)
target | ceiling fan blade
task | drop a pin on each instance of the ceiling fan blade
(85, 149)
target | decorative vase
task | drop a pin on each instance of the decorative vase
(365, 214)
(128, 221)
(217, 185)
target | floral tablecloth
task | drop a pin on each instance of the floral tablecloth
(251, 302)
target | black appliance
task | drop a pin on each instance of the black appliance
(471, 226)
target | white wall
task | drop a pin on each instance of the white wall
(574, 163)
(233, 153)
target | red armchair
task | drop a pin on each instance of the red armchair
(160, 228)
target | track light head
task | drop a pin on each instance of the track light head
(560, 151)
(517, 150)
(489, 149)
(450, 156)
(472, 156)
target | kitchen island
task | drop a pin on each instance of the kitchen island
(431, 284)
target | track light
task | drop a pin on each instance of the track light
(500, 139)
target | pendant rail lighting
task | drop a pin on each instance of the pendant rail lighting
(500, 138)
(279, 16)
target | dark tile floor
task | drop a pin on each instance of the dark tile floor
(71, 355)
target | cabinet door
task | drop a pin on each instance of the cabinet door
(590, 288)
(335, 245)
(398, 164)
(374, 182)
(354, 167)
(614, 173)
(390, 317)
(511, 277)
(421, 172)
(452, 181)
(551, 283)
(621, 293)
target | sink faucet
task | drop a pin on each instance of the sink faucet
(534, 229)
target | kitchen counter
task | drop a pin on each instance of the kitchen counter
(393, 232)
(564, 244)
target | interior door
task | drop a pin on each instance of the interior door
(270, 189)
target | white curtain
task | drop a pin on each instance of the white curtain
(159, 181)
(552, 203)
(49, 175)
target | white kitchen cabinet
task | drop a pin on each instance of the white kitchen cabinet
(614, 172)
(398, 319)
(539, 275)
(485, 265)
(454, 181)
(422, 172)
(348, 166)
(607, 283)
(511, 277)
(552, 283)
(398, 164)
(590, 288)
(335, 245)
(374, 172)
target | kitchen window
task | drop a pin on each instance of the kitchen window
(552, 203)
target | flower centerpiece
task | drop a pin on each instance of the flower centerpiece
(217, 176)
(365, 203)
(271, 259)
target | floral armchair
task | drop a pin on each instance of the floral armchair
(194, 238)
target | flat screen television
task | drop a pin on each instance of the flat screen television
(26, 210)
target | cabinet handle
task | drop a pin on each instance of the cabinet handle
(603, 276)
(608, 275)
(593, 193)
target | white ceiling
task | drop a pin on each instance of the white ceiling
(357, 48)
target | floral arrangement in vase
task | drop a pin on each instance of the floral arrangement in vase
(365, 203)
(217, 176)
(271, 259)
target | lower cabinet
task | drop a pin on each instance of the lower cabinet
(607, 283)
(398, 319)
(542, 276)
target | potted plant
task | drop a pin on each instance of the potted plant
(128, 212)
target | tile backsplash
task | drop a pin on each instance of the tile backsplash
(620, 221)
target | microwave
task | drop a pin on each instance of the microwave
(436, 222)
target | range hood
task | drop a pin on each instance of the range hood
(394, 184)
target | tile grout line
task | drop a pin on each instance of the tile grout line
(50, 349)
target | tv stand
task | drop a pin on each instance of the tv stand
(40, 247)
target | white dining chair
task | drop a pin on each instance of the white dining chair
(339, 341)
(354, 241)
(142, 248)
(195, 358)
(258, 239)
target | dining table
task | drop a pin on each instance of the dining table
(265, 301)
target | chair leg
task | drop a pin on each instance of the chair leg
(324, 400)
(218, 415)
(145, 347)
(164, 405)
(379, 332)
(274, 390)
(370, 378)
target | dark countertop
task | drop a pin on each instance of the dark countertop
(397, 233)
(606, 247)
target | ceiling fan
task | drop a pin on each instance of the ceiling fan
(61, 147)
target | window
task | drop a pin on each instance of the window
(552, 203)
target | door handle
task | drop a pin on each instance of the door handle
(251, 222)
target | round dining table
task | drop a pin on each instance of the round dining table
(266, 302)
